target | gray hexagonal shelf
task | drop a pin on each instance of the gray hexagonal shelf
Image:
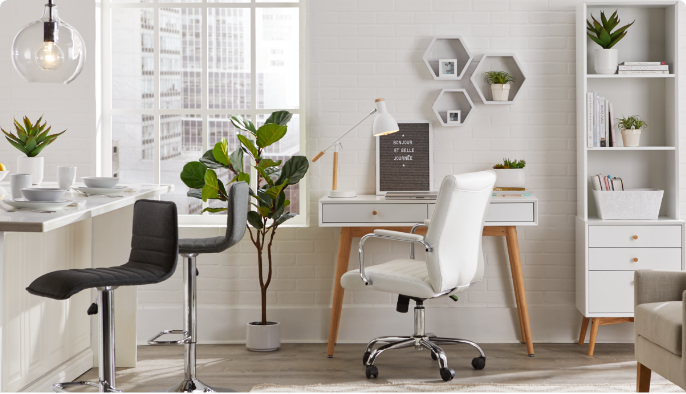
(447, 47)
(499, 62)
(453, 100)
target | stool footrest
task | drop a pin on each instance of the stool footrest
(186, 338)
(60, 387)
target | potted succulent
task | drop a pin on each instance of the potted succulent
(631, 129)
(510, 173)
(605, 57)
(500, 84)
(31, 139)
(269, 200)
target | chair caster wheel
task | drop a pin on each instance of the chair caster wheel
(371, 372)
(447, 374)
(433, 356)
(365, 357)
(479, 362)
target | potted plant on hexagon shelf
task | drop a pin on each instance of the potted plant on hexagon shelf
(268, 199)
(500, 84)
(631, 129)
(605, 57)
(510, 173)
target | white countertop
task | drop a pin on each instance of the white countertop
(362, 199)
(27, 221)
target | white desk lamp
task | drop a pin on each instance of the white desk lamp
(383, 124)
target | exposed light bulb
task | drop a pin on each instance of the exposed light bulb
(49, 56)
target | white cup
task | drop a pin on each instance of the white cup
(18, 182)
(66, 177)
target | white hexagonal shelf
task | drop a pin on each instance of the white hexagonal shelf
(450, 100)
(499, 62)
(447, 47)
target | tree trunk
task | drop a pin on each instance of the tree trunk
(264, 306)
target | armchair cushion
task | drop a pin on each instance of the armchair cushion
(660, 323)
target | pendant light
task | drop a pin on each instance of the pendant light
(49, 49)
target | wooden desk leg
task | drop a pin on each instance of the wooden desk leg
(518, 281)
(595, 323)
(518, 300)
(344, 245)
(584, 327)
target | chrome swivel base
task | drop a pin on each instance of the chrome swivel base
(196, 386)
(420, 340)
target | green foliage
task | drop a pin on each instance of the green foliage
(498, 77)
(508, 164)
(601, 32)
(631, 122)
(31, 138)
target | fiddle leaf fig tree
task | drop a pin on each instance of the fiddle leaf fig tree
(273, 179)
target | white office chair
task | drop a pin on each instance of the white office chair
(454, 260)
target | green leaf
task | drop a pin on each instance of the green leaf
(208, 160)
(243, 124)
(266, 163)
(294, 170)
(279, 117)
(255, 219)
(236, 160)
(269, 134)
(40, 148)
(242, 177)
(31, 144)
(603, 19)
(274, 191)
(195, 193)
(621, 30)
(214, 210)
(249, 146)
(264, 197)
(265, 176)
(273, 172)
(595, 39)
(605, 38)
(283, 218)
(18, 146)
(42, 136)
(23, 136)
(214, 188)
(221, 152)
(193, 175)
(264, 211)
(287, 203)
(617, 40)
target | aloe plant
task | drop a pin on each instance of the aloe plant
(498, 77)
(602, 34)
(31, 138)
(510, 164)
(631, 122)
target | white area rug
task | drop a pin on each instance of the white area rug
(464, 388)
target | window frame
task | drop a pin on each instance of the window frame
(104, 160)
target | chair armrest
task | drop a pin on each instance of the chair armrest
(392, 236)
(400, 235)
(427, 222)
(658, 286)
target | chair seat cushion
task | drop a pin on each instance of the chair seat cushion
(63, 284)
(403, 276)
(202, 245)
(660, 323)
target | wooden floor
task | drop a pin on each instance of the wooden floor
(234, 367)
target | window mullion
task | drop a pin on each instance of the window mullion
(156, 106)
(205, 74)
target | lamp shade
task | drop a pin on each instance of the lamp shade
(383, 122)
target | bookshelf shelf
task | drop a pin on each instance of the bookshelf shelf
(453, 100)
(632, 76)
(447, 47)
(637, 148)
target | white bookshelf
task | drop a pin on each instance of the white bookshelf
(654, 164)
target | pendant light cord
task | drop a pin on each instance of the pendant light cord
(50, 4)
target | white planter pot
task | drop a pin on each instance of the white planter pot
(605, 61)
(500, 92)
(31, 165)
(261, 338)
(631, 137)
(513, 177)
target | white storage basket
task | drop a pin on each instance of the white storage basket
(631, 204)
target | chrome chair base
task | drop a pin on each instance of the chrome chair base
(196, 386)
(102, 386)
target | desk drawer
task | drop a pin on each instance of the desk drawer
(622, 259)
(505, 212)
(364, 213)
(634, 236)
(611, 291)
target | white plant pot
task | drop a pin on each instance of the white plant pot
(513, 177)
(631, 137)
(500, 92)
(261, 338)
(605, 61)
(31, 165)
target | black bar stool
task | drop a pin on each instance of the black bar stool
(154, 252)
(236, 221)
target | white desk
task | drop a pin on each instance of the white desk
(363, 214)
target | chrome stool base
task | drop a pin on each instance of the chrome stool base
(196, 386)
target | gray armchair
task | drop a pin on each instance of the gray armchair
(658, 321)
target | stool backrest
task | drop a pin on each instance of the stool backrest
(456, 229)
(237, 214)
(155, 238)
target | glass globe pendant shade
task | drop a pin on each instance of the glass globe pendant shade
(48, 50)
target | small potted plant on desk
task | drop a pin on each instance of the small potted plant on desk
(500, 84)
(269, 200)
(510, 173)
(631, 129)
(31, 139)
(605, 57)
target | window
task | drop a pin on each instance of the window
(175, 71)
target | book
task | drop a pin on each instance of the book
(643, 68)
(595, 181)
(509, 189)
(601, 122)
(607, 123)
(643, 63)
(595, 119)
(589, 121)
(617, 184)
(642, 72)
(613, 138)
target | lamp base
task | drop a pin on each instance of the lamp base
(342, 193)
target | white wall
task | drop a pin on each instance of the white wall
(71, 106)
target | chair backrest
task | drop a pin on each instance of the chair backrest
(237, 214)
(456, 229)
(155, 238)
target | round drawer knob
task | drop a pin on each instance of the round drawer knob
(374, 213)
(635, 259)
(635, 236)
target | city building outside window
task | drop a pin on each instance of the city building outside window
(174, 72)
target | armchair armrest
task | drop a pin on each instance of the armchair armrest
(390, 235)
(658, 286)
(399, 235)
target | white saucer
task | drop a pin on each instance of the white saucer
(45, 205)
(101, 190)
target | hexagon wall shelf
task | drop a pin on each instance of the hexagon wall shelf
(447, 47)
(452, 100)
(499, 62)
